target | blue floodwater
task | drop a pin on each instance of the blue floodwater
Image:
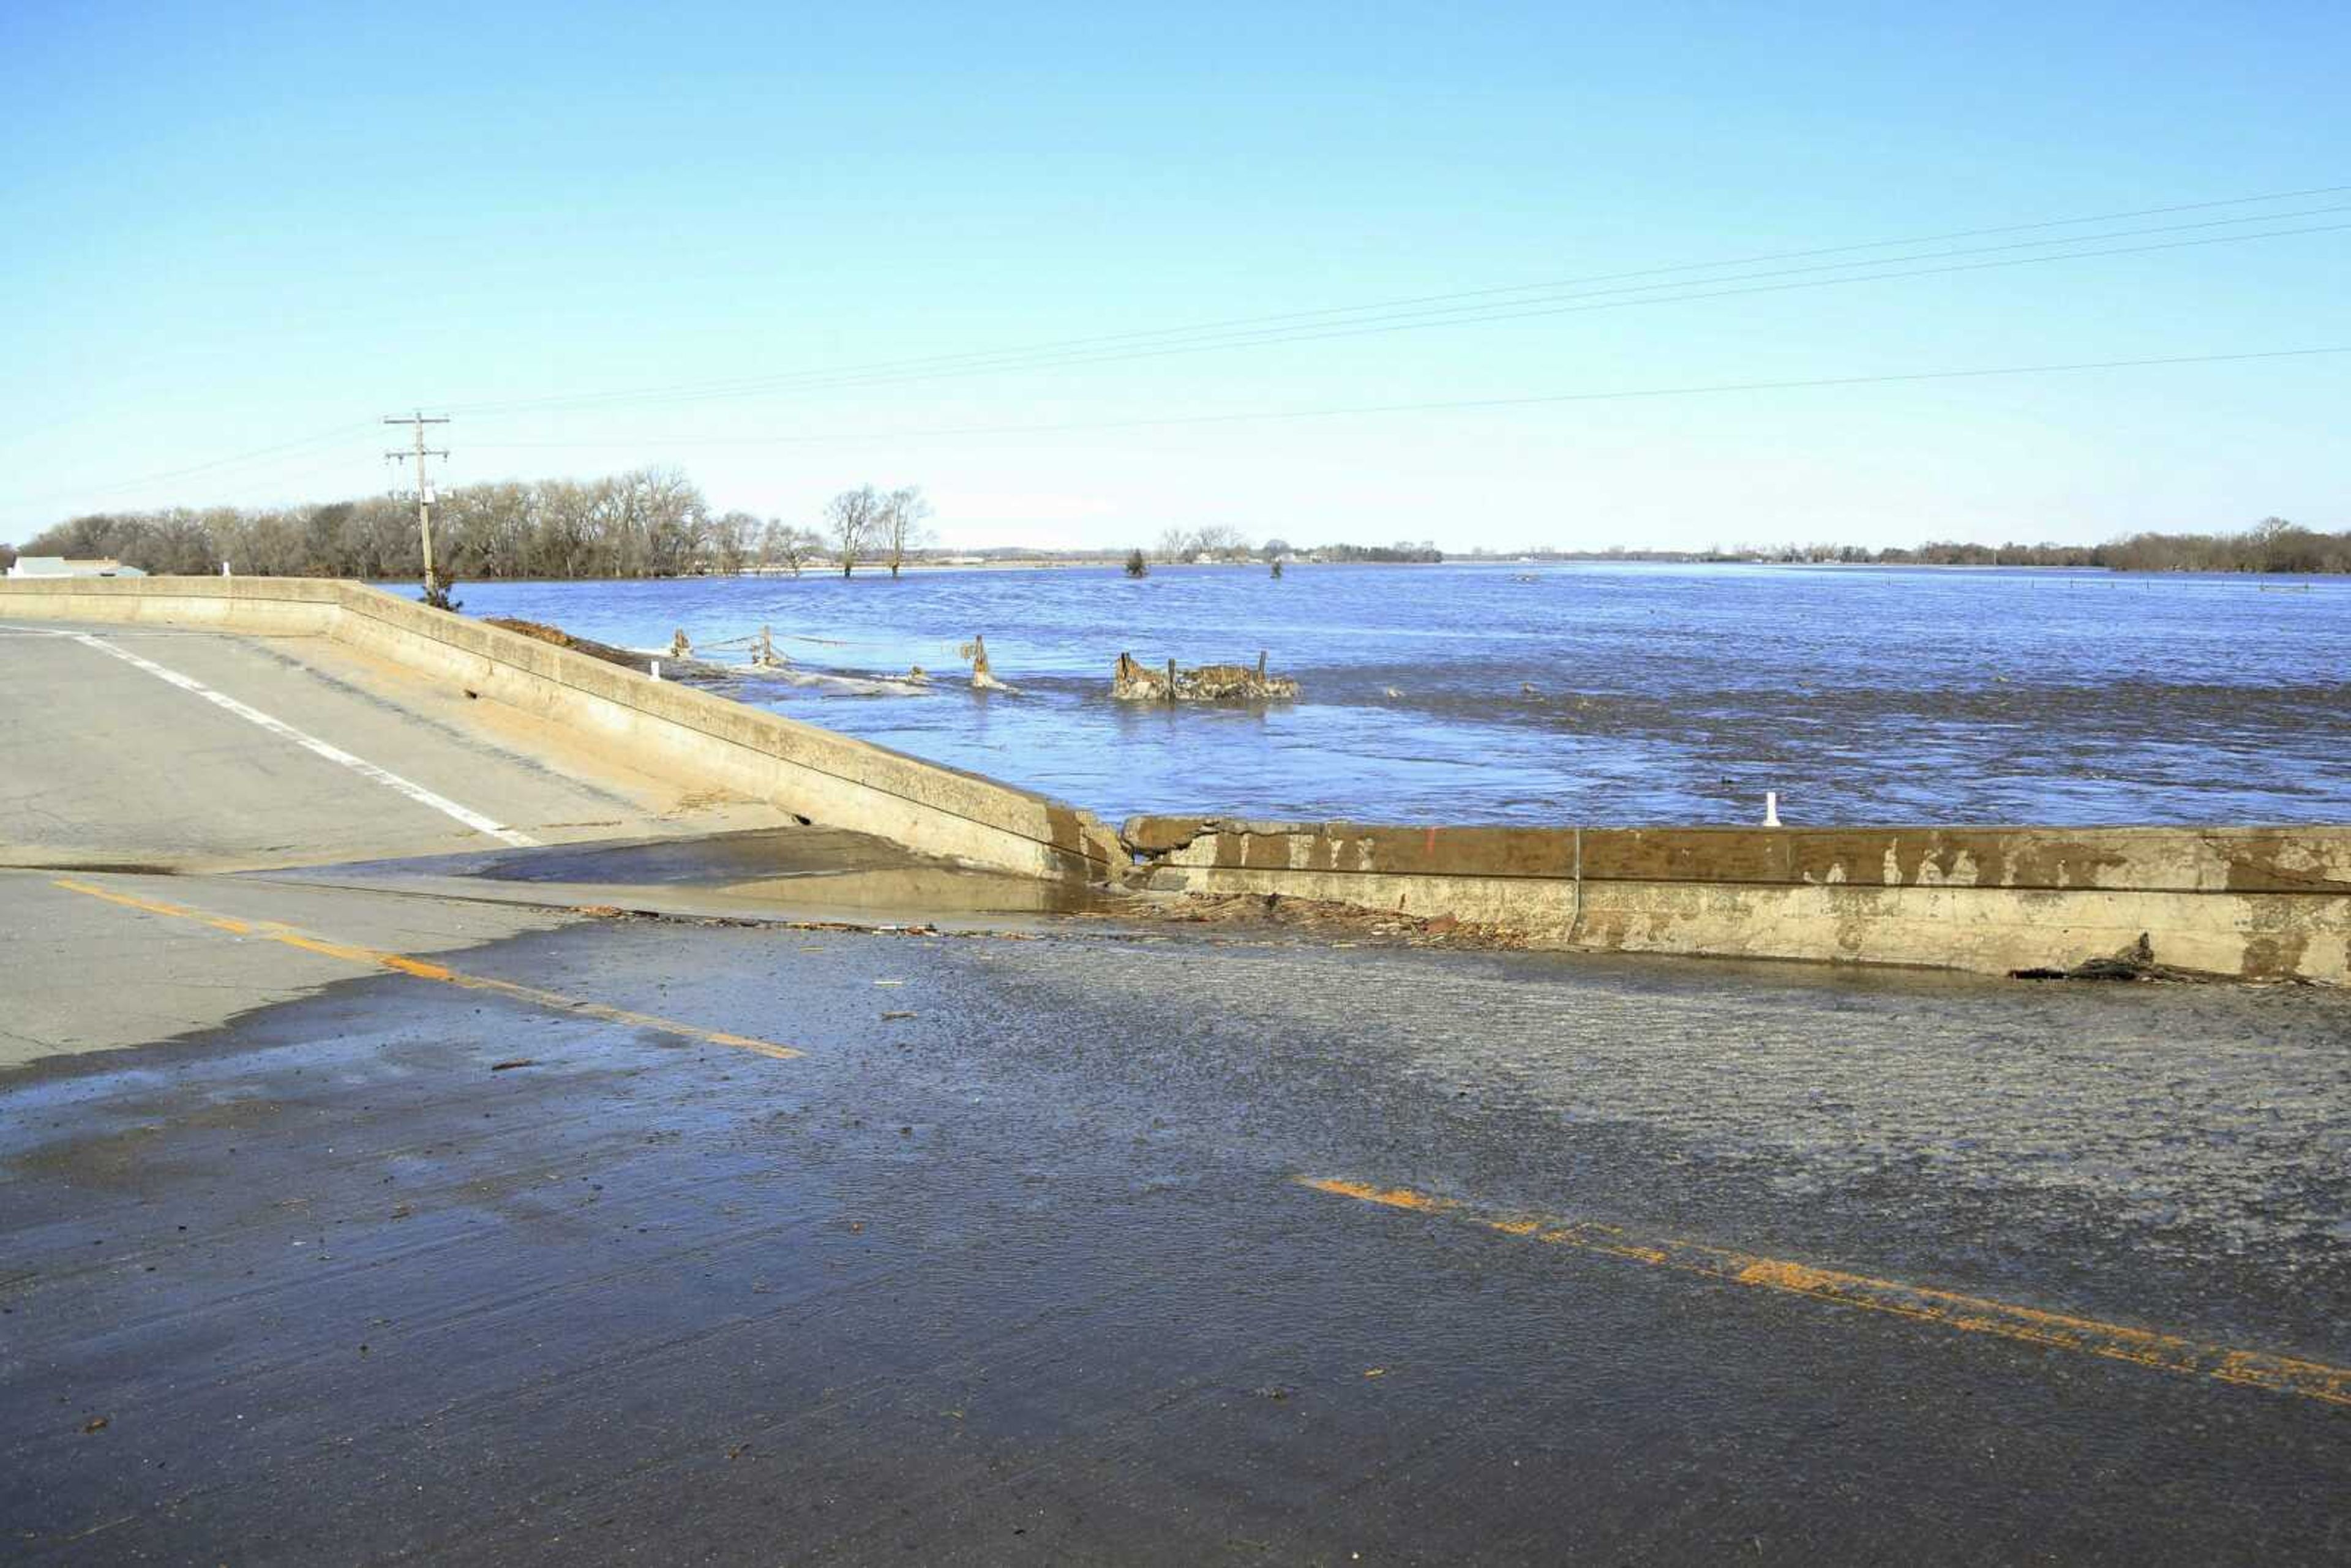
(1660, 693)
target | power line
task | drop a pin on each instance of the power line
(1414, 313)
(1574, 309)
(1577, 306)
(1708, 389)
(1437, 406)
(974, 361)
(233, 460)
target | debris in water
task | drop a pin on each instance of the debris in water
(517, 1061)
(2136, 962)
(681, 668)
(1132, 681)
(983, 679)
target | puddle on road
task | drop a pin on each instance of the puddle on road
(771, 869)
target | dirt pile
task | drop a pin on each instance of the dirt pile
(693, 671)
(543, 632)
(1341, 925)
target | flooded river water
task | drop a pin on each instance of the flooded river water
(1585, 692)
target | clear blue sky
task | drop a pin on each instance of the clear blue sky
(234, 227)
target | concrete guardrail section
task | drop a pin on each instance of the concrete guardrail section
(2254, 902)
(660, 727)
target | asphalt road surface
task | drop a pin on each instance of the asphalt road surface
(1013, 1261)
(361, 1220)
(192, 750)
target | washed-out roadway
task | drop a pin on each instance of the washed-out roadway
(353, 1218)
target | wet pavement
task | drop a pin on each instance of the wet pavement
(761, 873)
(1014, 1262)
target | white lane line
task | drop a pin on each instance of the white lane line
(150, 634)
(408, 787)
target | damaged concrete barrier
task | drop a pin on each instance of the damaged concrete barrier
(2249, 902)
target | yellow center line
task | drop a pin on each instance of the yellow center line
(423, 969)
(1974, 1314)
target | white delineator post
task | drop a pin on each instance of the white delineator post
(1771, 807)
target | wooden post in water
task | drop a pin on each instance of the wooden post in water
(983, 679)
(1170, 680)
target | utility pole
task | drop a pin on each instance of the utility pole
(432, 591)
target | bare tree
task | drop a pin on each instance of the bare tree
(1222, 541)
(787, 545)
(731, 536)
(852, 518)
(1174, 544)
(904, 524)
(675, 520)
(802, 547)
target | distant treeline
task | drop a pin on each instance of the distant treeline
(1423, 552)
(2272, 545)
(1221, 542)
(652, 522)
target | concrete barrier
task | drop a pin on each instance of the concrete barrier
(662, 728)
(2255, 903)
(259, 606)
